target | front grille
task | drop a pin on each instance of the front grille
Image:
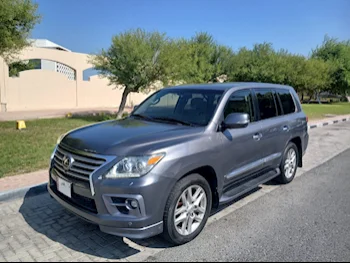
(82, 167)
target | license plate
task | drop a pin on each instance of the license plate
(64, 187)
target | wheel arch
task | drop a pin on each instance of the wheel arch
(209, 174)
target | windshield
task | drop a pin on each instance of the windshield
(180, 106)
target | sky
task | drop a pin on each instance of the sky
(87, 26)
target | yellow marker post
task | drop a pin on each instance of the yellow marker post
(21, 125)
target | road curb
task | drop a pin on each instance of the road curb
(23, 192)
(328, 123)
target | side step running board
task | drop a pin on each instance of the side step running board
(248, 186)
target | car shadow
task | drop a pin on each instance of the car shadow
(51, 220)
(272, 183)
(48, 218)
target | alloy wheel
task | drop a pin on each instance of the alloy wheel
(190, 210)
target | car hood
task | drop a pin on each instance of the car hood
(128, 136)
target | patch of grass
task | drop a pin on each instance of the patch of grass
(319, 111)
(30, 150)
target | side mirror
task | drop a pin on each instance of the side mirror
(236, 121)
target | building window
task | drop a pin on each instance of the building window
(68, 71)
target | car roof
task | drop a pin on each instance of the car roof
(227, 86)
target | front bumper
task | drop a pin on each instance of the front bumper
(151, 193)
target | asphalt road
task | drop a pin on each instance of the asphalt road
(308, 220)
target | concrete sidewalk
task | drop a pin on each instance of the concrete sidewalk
(23, 180)
(48, 114)
(9, 186)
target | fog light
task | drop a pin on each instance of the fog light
(133, 204)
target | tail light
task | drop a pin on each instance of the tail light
(307, 119)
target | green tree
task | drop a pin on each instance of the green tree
(257, 65)
(222, 62)
(198, 60)
(176, 60)
(294, 71)
(337, 53)
(17, 19)
(16, 67)
(315, 77)
(135, 60)
(202, 48)
(264, 64)
(241, 66)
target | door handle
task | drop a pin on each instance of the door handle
(285, 128)
(257, 136)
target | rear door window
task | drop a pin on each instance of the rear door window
(287, 101)
(266, 103)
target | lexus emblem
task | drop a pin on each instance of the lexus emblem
(67, 162)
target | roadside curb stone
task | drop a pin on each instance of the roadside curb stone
(327, 123)
(23, 192)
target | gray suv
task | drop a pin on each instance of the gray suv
(183, 152)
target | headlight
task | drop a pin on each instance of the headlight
(134, 167)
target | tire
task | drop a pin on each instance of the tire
(288, 175)
(171, 231)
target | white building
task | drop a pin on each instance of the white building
(52, 65)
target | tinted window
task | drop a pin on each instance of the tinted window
(287, 101)
(241, 102)
(266, 103)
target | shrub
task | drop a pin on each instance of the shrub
(125, 115)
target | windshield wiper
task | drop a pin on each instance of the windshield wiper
(143, 117)
(167, 119)
(174, 121)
